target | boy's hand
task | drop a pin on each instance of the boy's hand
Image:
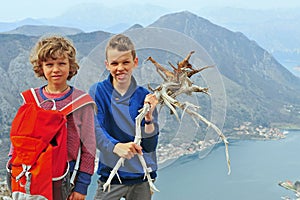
(76, 196)
(127, 150)
(152, 101)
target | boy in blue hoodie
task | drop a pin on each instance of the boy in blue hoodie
(119, 100)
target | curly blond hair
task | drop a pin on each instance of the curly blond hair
(53, 47)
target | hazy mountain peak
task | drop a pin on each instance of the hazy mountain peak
(135, 26)
(39, 30)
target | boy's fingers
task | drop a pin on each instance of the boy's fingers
(138, 149)
(133, 150)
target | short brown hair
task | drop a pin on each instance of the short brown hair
(53, 47)
(121, 43)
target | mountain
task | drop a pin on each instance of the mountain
(7, 26)
(96, 16)
(258, 88)
(263, 87)
(276, 30)
(37, 30)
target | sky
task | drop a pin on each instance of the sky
(13, 10)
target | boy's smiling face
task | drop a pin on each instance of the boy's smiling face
(121, 65)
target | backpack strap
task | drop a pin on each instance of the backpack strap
(77, 103)
(29, 96)
(69, 108)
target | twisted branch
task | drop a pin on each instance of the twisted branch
(178, 82)
(137, 140)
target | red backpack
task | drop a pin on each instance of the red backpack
(39, 140)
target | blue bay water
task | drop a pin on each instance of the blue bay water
(256, 169)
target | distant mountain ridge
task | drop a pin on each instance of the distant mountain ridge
(91, 17)
(38, 30)
(258, 88)
(276, 30)
(8, 26)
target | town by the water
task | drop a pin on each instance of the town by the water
(244, 132)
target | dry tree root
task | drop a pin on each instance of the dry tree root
(178, 82)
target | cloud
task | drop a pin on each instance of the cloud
(297, 68)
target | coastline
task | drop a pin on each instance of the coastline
(169, 152)
(275, 157)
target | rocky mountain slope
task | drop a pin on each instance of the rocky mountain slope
(258, 89)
